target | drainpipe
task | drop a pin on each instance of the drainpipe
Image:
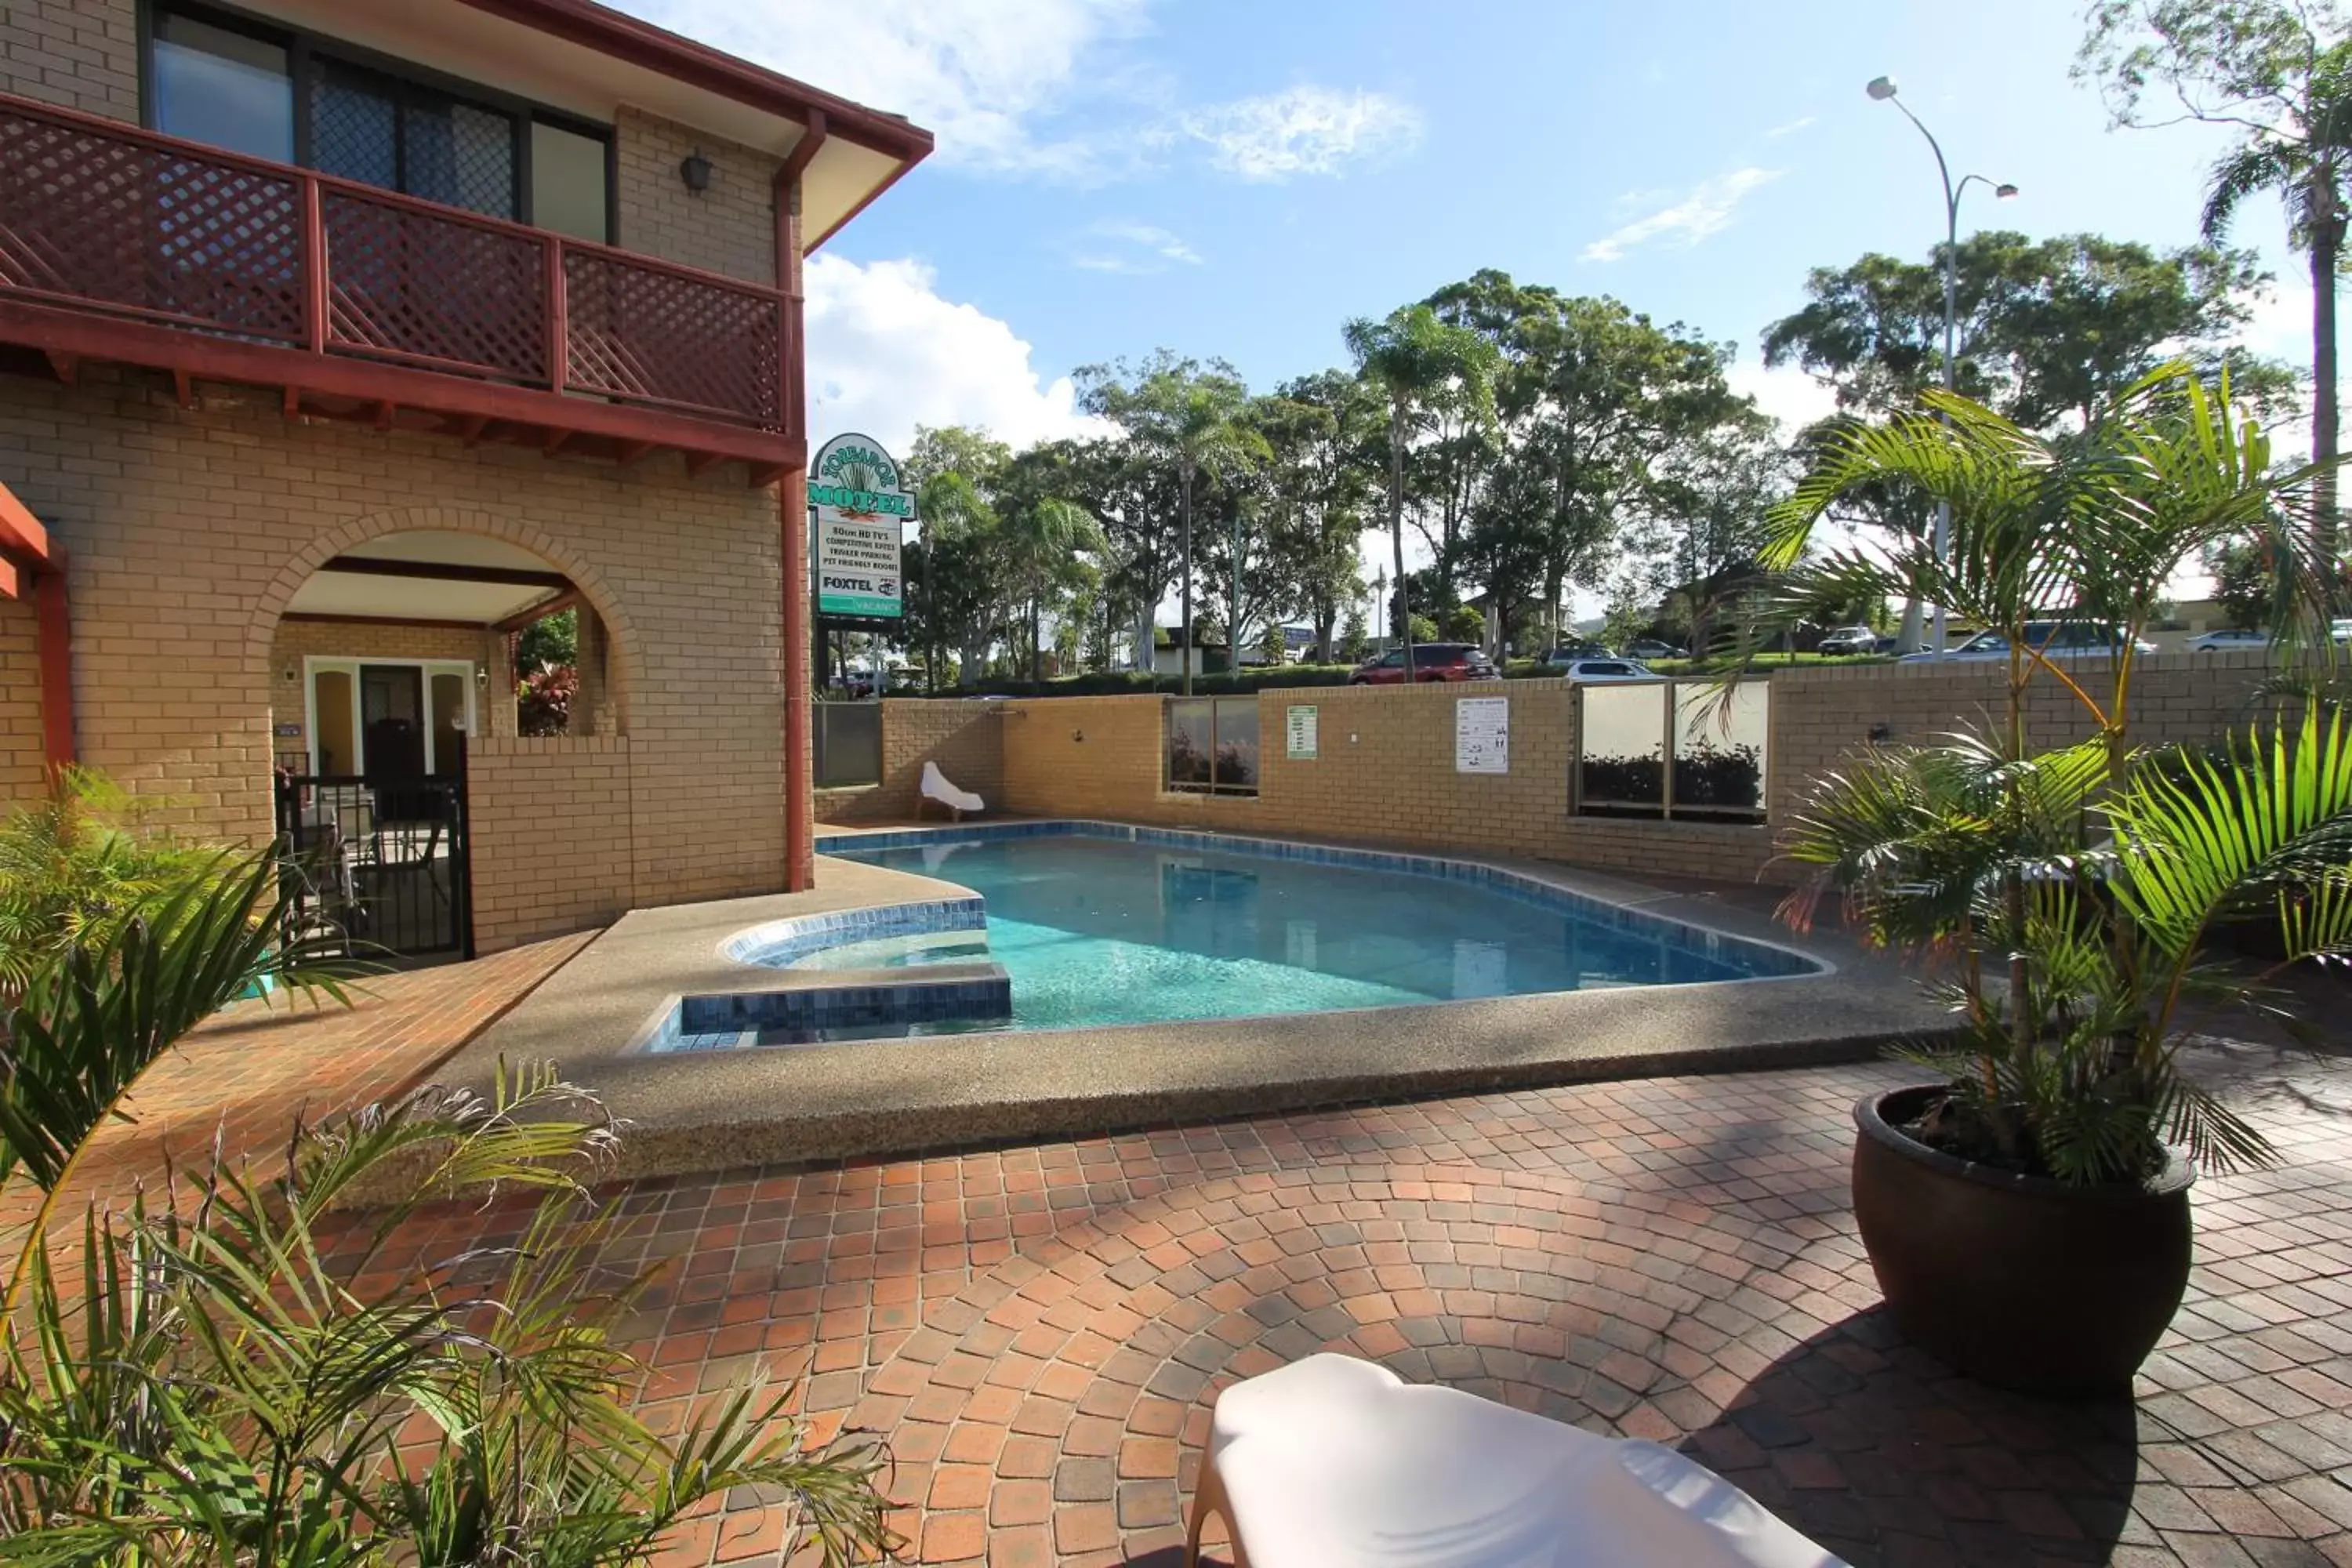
(791, 515)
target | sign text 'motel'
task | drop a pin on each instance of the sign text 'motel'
(861, 503)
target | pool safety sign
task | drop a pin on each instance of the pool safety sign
(860, 506)
(1482, 735)
(1299, 731)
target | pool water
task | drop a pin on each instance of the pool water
(1098, 931)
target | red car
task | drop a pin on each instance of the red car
(1431, 661)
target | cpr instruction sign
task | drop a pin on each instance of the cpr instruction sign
(1482, 735)
(861, 505)
(1299, 731)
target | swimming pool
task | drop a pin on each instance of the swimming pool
(1101, 926)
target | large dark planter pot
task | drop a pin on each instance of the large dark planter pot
(2017, 1280)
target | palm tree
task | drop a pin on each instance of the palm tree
(1415, 357)
(2306, 159)
(2086, 877)
(1199, 425)
(1043, 540)
(959, 527)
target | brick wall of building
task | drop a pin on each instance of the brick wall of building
(20, 703)
(728, 228)
(189, 529)
(552, 819)
(78, 54)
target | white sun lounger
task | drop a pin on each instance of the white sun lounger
(1332, 1462)
(937, 787)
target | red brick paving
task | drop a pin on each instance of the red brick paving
(249, 1073)
(1040, 1331)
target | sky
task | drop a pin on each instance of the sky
(1237, 178)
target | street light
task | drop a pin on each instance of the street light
(1881, 91)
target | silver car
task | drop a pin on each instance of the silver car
(1603, 672)
(2230, 639)
(2057, 639)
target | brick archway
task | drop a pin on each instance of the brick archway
(304, 564)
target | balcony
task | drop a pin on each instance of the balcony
(120, 245)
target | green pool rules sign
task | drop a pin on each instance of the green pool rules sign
(860, 505)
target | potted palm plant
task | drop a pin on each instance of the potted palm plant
(2027, 1213)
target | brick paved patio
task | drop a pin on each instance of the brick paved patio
(1040, 1331)
(246, 1075)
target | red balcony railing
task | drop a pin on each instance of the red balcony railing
(103, 217)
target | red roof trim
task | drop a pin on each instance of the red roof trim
(699, 64)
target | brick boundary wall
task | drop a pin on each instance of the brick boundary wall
(1384, 773)
(965, 738)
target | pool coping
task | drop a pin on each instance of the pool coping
(706, 1110)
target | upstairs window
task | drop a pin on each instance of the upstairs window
(403, 136)
(232, 82)
(223, 87)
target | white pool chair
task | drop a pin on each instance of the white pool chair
(1334, 1462)
(937, 787)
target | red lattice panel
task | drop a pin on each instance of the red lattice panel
(148, 231)
(406, 284)
(654, 336)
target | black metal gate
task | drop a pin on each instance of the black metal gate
(380, 862)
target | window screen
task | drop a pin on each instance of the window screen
(402, 136)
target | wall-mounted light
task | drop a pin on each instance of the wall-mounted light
(1077, 734)
(481, 674)
(695, 171)
(290, 677)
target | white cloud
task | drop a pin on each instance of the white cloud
(1707, 210)
(1303, 129)
(1791, 128)
(1135, 248)
(989, 77)
(1787, 393)
(887, 353)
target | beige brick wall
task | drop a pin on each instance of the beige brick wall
(1385, 772)
(552, 819)
(1821, 716)
(966, 739)
(728, 228)
(20, 703)
(78, 54)
(189, 530)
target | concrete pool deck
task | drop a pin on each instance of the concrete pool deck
(706, 1111)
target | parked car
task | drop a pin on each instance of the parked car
(2233, 639)
(2057, 639)
(1603, 672)
(1431, 661)
(2343, 631)
(1651, 647)
(1580, 647)
(1853, 639)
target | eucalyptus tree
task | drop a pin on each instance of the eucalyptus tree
(1325, 431)
(1417, 361)
(1601, 396)
(2278, 74)
(2049, 330)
